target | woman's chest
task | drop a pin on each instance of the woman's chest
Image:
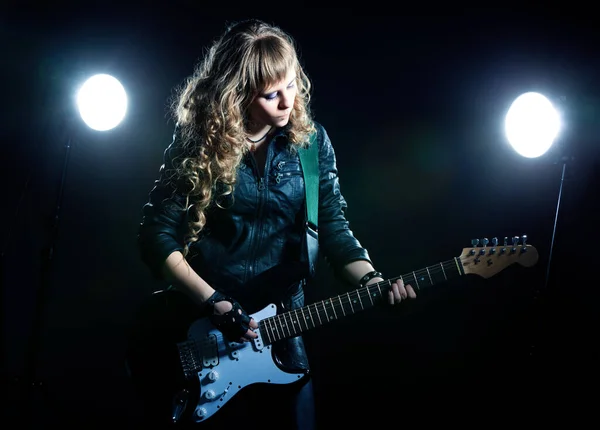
(277, 187)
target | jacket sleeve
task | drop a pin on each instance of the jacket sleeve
(163, 224)
(336, 240)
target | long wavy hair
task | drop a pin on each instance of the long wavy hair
(210, 110)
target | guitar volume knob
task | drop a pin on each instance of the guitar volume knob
(201, 412)
(210, 394)
(213, 375)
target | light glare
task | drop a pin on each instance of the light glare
(531, 124)
(102, 102)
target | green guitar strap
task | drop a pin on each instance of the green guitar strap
(309, 161)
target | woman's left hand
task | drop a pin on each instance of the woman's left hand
(398, 292)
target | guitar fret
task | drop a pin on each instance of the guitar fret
(265, 325)
(304, 316)
(284, 322)
(289, 331)
(318, 315)
(269, 325)
(299, 320)
(269, 331)
(359, 299)
(369, 293)
(333, 309)
(443, 271)
(342, 305)
(350, 301)
(302, 319)
(416, 281)
(429, 274)
(325, 310)
(457, 265)
(277, 333)
(291, 322)
(277, 328)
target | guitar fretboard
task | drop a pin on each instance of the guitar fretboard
(295, 322)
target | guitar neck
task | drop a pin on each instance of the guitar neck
(295, 322)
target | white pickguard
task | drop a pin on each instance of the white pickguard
(228, 367)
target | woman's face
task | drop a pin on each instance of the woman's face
(274, 105)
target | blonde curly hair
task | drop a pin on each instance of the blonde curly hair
(210, 110)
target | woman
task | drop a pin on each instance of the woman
(225, 221)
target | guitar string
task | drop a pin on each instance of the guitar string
(273, 325)
(274, 328)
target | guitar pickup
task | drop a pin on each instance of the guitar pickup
(210, 351)
(258, 342)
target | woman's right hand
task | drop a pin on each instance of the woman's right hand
(229, 317)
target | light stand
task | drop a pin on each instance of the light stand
(562, 179)
(31, 381)
(102, 104)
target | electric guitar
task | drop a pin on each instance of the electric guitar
(180, 361)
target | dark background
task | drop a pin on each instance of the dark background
(414, 106)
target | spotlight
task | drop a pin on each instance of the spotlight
(532, 124)
(102, 102)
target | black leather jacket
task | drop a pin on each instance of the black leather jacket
(254, 249)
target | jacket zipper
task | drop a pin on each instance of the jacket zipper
(262, 191)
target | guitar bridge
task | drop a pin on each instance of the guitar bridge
(189, 358)
(194, 358)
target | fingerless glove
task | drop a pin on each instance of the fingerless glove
(233, 324)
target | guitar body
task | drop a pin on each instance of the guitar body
(183, 367)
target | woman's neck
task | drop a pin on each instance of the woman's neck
(258, 133)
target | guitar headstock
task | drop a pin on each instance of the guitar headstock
(487, 258)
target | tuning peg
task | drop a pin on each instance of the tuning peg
(505, 241)
(484, 243)
(524, 241)
(474, 242)
(515, 240)
(494, 244)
